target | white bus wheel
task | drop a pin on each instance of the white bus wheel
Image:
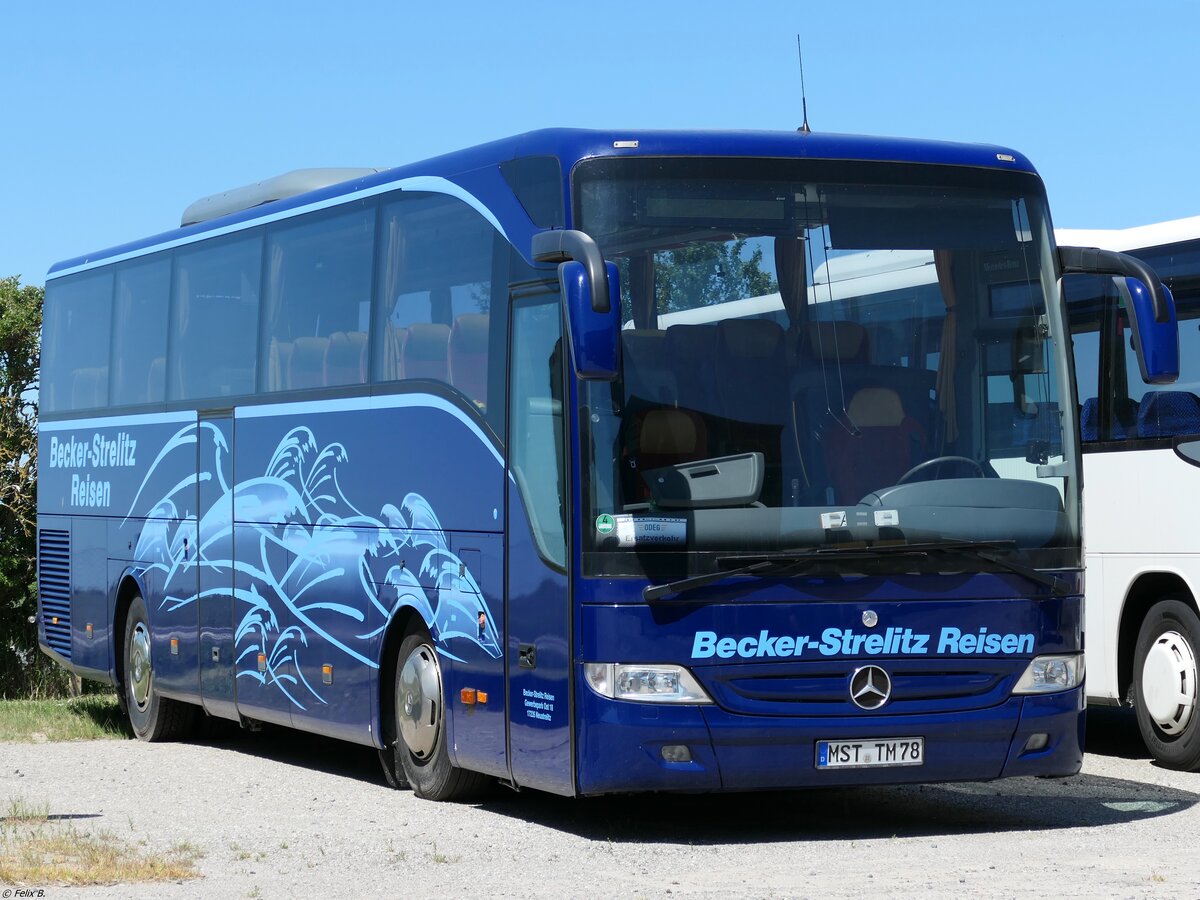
(1166, 677)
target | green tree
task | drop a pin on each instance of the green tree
(21, 666)
(702, 274)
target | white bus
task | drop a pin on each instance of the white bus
(1141, 444)
(1139, 441)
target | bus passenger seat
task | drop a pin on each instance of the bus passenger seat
(346, 358)
(468, 356)
(829, 360)
(393, 347)
(752, 371)
(1126, 412)
(306, 369)
(690, 352)
(752, 383)
(668, 437)
(1089, 419)
(279, 363)
(424, 354)
(89, 388)
(886, 443)
(649, 381)
(156, 379)
(1124, 426)
(838, 340)
(1168, 413)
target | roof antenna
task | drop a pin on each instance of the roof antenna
(803, 129)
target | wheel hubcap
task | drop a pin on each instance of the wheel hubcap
(1169, 682)
(139, 665)
(419, 702)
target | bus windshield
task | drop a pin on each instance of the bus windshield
(819, 352)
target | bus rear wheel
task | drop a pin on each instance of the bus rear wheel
(422, 755)
(153, 718)
(1166, 676)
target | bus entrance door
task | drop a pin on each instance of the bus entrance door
(538, 638)
(215, 550)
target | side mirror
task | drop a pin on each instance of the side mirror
(591, 290)
(595, 336)
(1156, 343)
(1150, 304)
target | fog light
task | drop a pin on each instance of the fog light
(676, 753)
(648, 683)
(1047, 674)
(1037, 742)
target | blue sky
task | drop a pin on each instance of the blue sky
(117, 116)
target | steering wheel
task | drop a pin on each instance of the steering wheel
(941, 461)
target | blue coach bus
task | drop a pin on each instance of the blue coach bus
(565, 461)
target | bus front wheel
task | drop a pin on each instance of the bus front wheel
(153, 718)
(1165, 684)
(422, 756)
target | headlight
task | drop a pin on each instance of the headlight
(1047, 674)
(647, 683)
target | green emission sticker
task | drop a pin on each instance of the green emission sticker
(605, 524)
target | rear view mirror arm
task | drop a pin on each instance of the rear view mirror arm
(1093, 261)
(561, 245)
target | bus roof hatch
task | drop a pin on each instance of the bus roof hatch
(299, 181)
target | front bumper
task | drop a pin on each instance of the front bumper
(620, 745)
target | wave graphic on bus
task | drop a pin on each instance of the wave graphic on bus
(309, 563)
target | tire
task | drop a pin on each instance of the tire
(153, 718)
(1166, 677)
(422, 757)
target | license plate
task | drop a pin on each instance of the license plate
(906, 751)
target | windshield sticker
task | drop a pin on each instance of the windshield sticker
(644, 531)
(834, 520)
(887, 518)
(605, 524)
(848, 642)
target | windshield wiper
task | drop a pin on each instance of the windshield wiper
(759, 568)
(765, 566)
(983, 550)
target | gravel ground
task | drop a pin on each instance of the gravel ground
(282, 815)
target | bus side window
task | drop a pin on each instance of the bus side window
(1088, 316)
(1164, 411)
(78, 316)
(316, 301)
(214, 320)
(434, 289)
(139, 332)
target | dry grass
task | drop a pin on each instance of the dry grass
(34, 851)
(82, 718)
(22, 812)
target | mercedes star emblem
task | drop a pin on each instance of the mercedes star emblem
(870, 687)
